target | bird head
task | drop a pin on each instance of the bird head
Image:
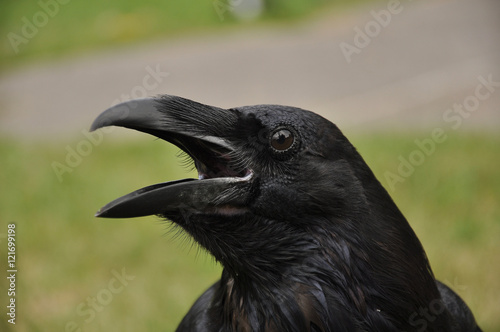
(247, 158)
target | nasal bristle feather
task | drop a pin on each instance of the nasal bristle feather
(186, 161)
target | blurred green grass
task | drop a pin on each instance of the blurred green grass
(65, 255)
(74, 27)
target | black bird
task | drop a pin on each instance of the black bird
(308, 238)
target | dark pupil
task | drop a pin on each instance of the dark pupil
(282, 140)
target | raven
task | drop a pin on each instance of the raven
(308, 238)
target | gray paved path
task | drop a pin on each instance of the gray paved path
(417, 63)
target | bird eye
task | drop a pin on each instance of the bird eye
(282, 139)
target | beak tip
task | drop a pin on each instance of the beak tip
(93, 127)
(130, 114)
(101, 121)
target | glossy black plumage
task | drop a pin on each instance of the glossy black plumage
(308, 238)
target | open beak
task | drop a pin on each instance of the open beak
(204, 133)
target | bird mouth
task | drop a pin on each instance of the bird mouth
(223, 185)
(211, 160)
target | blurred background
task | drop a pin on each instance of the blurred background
(415, 86)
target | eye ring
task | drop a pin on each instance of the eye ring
(283, 140)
